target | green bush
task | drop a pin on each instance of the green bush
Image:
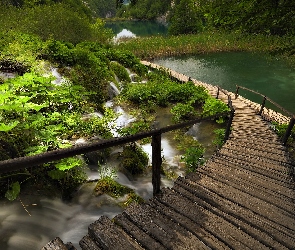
(54, 21)
(183, 112)
(193, 158)
(214, 106)
(128, 60)
(219, 137)
(281, 129)
(162, 91)
(19, 52)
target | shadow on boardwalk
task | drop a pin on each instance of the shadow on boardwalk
(242, 198)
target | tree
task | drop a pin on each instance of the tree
(185, 18)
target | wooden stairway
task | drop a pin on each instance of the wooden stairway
(243, 198)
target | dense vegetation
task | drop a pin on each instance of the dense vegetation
(37, 38)
(144, 9)
(38, 114)
(59, 21)
(275, 17)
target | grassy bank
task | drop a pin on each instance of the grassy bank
(213, 41)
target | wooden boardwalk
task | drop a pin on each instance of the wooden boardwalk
(242, 198)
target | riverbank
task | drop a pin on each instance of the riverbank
(148, 48)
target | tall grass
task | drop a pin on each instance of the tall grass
(206, 42)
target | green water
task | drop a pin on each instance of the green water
(267, 75)
(139, 28)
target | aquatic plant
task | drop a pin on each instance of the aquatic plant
(219, 137)
(193, 158)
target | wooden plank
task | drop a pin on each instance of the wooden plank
(170, 234)
(110, 236)
(57, 244)
(142, 237)
(86, 243)
(209, 239)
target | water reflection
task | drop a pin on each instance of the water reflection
(268, 75)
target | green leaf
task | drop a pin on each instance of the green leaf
(8, 127)
(13, 192)
(56, 174)
(68, 163)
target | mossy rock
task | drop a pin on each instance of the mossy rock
(114, 189)
(135, 160)
(109, 186)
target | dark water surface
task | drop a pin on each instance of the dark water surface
(267, 75)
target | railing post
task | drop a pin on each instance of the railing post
(262, 105)
(229, 123)
(288, 131)
(217, 95)
(237, 92)
(230, 120)
(156, 162)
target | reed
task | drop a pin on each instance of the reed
(148, 48)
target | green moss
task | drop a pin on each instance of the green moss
(134, 160)
(109, 186)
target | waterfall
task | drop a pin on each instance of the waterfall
(113, 90)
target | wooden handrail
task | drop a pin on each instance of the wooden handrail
(232, 112)
(265, 98)
(35, 160)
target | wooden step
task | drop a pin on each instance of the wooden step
(144, 239)
(213, 204)
(239, 211)
(164, 230)
(228, 233)
(284, 220)
(109, 236)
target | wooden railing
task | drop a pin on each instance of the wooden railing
(232, 111)
(31, 161)
(265, 98)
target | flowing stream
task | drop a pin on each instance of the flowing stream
(34, 220)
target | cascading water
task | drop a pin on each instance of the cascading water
(34, 220)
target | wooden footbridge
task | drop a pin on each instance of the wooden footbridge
(242, 198)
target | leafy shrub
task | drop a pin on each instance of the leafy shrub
(134, 128)
(281, 129)
(219, 137)
(162, 91)
(54, 21)
(193, 158)
(41, 116)
(58, 52)
(182, 112)
(214, 106)
(128, 60)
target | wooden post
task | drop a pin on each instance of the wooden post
(237, 92)
(228, 126)
(217, 95)
(262, 105)
(230, 120)
(156, 163)
(288, 131)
